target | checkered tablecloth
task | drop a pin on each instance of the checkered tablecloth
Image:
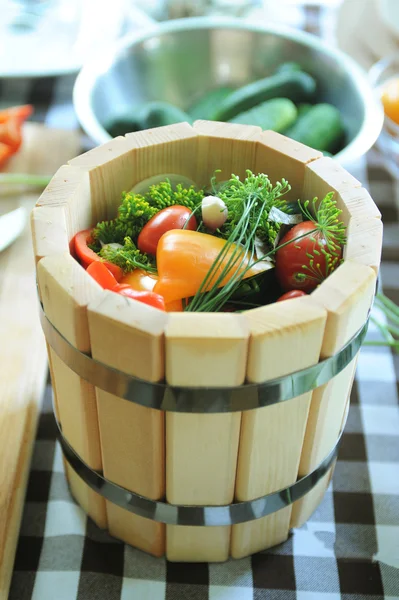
(348, 550)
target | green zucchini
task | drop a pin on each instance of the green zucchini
(320, 128)
(207, 105)
(157, 114)
(294, 85)
(276, 114)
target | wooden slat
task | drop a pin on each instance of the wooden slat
(347, 295)
(129, 336)
(119, 164)
(364, 244)
(280, 157)
(326, 175)
(226, 146)
(66, 289)
(271, 437)
(49, 231)
(201, 450)
(70, 189)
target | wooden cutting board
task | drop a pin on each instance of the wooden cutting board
(23, 359)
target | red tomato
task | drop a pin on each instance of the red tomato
(305, 263)
(140, 280)
(172, 217)
(87, 256)
(291, 294)
(150, 298)
(102, 275)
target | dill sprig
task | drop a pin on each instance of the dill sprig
(326, 223)
(331, 234)
(234, 194)
(389, 330)
(128, 257)
(247, 203)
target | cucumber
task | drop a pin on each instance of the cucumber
(320, 128)
(121, 125)
(303, 108)
(207, 106)
(157, 114)
(276, 114)
(294, 85)
(289, 67)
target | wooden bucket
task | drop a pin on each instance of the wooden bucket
(152, 459)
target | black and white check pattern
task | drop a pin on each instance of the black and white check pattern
(348, 550)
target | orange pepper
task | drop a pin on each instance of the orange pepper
(184, 258)
(140, 280)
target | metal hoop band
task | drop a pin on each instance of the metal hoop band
(209, 516)
(162, 396)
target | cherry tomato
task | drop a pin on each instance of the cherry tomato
(150, 298)
(304, 263)
(291, 294)
(140, 280)
(102, 275)
(87, 256)
(172, 217)
(390, 99)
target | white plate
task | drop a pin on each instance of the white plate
(60, 39)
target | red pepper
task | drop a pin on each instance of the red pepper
(86, 255)
(149, 298)
(102, 275)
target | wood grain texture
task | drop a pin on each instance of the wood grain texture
(364, 244)
(70, 189)
(271, 437)
(118, 165)
(201, 450)
(226, 146)
(280, 157)
(129, 336)
(23, 363)
(326, 175)
(347, 296)
(66, 289)
(23, 370)
(49, 231)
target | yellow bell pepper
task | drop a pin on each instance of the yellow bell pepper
(184, 259)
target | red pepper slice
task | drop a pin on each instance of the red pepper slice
(19, 112)
(102, 275)
(87, 256)
(150, 298)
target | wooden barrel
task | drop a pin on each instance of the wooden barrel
(200, 459)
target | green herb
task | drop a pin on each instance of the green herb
(325, 219)
(247, 202)
(235, 194)
(389, 331)
(25, 179)
(325, 215)
(137, 209)
(128, 257)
